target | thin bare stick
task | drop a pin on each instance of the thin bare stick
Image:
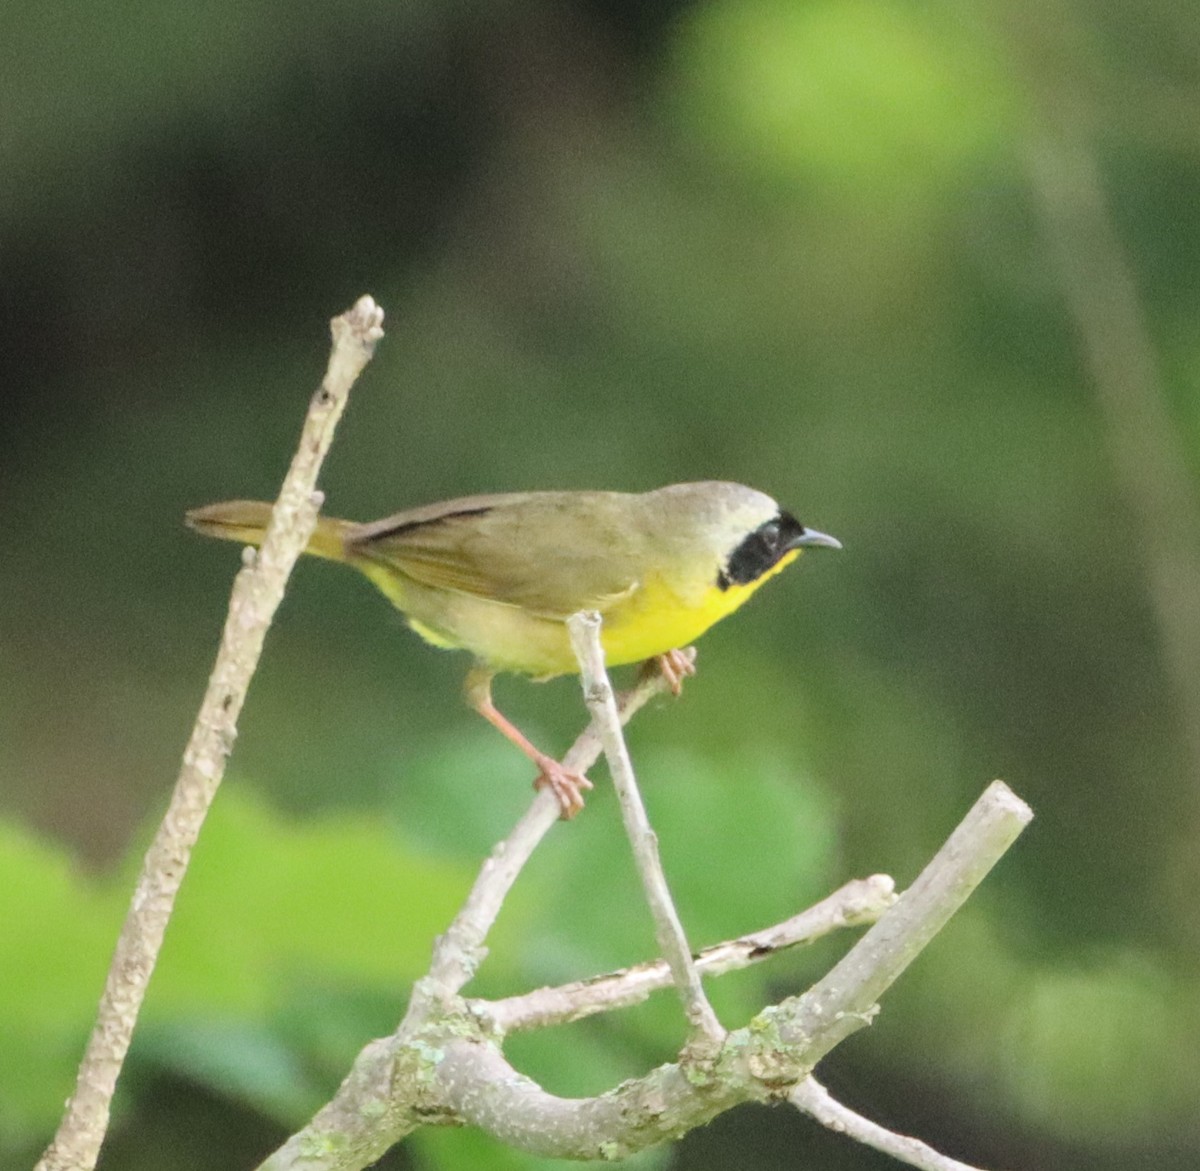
(598, 695)
(815, 1100)
(257, 592)
(846, 998)
(458, 952)
(856, 904)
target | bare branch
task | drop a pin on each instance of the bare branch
(370, 1112)
(846, 998)
(770, 1057)
(485, 1091)
(815, 1100)
(598, 695)
(257, 592)
(448, 1068)
(458, 952)
(856, 904)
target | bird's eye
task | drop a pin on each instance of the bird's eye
(757, 553)
(769, 533)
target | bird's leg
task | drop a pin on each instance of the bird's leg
(675, 666)
(567, 786)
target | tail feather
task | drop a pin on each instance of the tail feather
(246, 521)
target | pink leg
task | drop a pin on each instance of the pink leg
(567, 786)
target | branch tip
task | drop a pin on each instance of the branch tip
(364, 319)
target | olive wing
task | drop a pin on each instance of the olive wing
(549, 553)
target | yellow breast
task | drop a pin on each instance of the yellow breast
(657, 619)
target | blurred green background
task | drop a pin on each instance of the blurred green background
(927, 273)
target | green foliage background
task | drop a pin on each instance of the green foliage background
(619, 244)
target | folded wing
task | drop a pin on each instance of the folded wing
(516, 548)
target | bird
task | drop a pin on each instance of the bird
(499, 575)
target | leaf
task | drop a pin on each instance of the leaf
(875, 101)
(268, 901)
(270, 910)
(58, 931)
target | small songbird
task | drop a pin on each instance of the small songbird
(499, 576)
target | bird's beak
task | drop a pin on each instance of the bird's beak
(814, 537)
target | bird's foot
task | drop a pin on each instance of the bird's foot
(675, 666)
(566, 785)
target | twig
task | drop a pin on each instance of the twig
(584, 628)
(257, 592)
(846, 998)
(458, 952)
(815, 1100)
(856, 904)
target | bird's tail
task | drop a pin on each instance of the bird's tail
(246, 521)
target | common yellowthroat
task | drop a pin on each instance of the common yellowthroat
(499, 576)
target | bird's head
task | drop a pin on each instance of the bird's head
(746, 532)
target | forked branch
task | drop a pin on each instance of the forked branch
(445, 1064)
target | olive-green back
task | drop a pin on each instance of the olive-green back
(551, 553)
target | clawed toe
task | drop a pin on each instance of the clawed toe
(566, 785)
(674, 666)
